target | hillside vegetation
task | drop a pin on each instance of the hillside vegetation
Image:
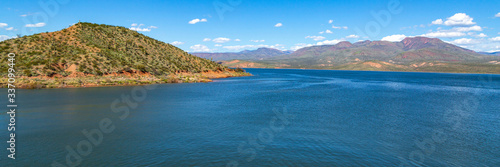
(93, 50)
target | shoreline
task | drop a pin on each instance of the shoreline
(91, 81)
(439, 72)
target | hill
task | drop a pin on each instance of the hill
(259, 54)
(411, 54)
(87, 54)
(490, 53)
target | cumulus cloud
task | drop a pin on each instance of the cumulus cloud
(344, 27)
(464, 41)
(177, 43)
(136, 27)
(329, 42)
(240, 47)
(327, 31)
(194, 21)
(217, 45)
(300, 46)
(5, 37)
(495, 39)
(200, 48)
(3, 25)
(466, 29)
(330, 21)
(221, 40)
(206, 39)
(498, 14)
(140, 29)
(394, 38)
(482, 35)
(258, 40)
(278, 25)
(316, 38)
(35, 25)
(437, 22)
(444, 34)
(459, 19)
(237, 40)
(352, 36)
(10, 28)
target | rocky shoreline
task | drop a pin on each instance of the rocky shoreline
(118, 79)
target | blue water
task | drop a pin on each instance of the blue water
(275, 118)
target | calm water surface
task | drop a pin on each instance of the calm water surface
(275, 118)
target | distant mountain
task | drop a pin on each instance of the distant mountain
(411, 54)
(259, 54)
(87, 50)
(490, 53)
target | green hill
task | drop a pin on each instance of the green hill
(91, 50)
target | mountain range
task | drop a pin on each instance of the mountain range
(259, 54)
(410, 54)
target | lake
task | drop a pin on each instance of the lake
(278, 117)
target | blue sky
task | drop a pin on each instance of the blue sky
(235, 25)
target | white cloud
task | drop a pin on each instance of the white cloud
(258, 40)
(328, 32)
(5, 37)
(482, 35)
(240, 47)
(10, 28)
(35, 25)
(278, 25)
(466, 29)
(437, 22)
(344, 27)
(464, 41)
(206, 39)
(221, 40)
(140, 29)
(459, 19)
(137, 27)
(495, 39)
(394, 38)
(316, 38)
(237, 40)
(3, 25)
(200, 48)
(330, 21)
(177, 43)
(218, 45)
(329, 42)
(194, 21)
(498, 14)
(352, 36)
(444, 34)
(300, 46)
